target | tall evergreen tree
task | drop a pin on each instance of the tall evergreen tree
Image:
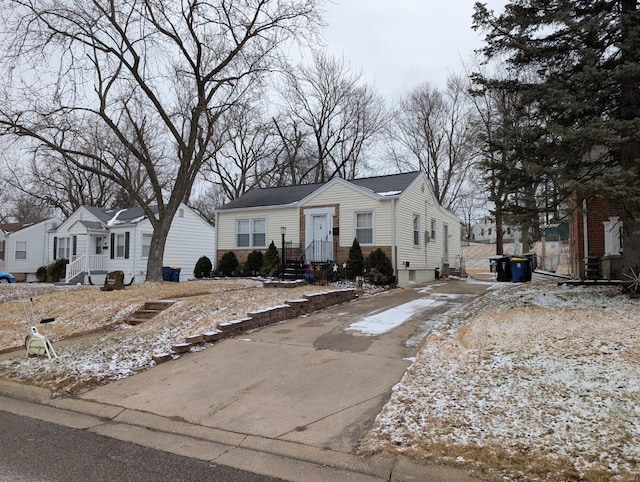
(586, 88)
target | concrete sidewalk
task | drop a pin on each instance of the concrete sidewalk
(291, 400)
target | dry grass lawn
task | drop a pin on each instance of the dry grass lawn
(94, 344)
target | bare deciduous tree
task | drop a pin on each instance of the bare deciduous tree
(341, 114)
(132, 67)
(244, 152)
(433, 132)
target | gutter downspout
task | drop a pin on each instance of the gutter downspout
(215, 243)
(88, 259)
(134, 252)
(585, 233)
(393, 238)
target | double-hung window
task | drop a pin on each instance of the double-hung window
(364, 227)
(251, 233)
(433, 230)
(120, 245)
(146, 244)
(64, 248)
(416, 230)
(2, 249)
(21, 250)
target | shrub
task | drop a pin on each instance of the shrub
(378, 265)
(253, 264)
(228, 264)
(355, 262)
(271, 261)
(203, 268)
(57, 270)
(41, 274)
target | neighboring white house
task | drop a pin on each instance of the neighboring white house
(97, 241)
(485, 231)
(397, 213)
(23, 247)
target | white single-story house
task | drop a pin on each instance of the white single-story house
(23, 247)
(485, 231)
(397, 213)
(97, 241)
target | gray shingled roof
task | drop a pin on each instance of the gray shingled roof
(126, 216)
(93, 225)
(278, 196)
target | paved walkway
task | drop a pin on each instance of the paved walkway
(291, 400)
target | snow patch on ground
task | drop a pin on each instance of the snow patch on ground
(385, 321)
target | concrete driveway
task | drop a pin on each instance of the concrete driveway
(310, 380)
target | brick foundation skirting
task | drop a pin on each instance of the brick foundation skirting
(257, 319)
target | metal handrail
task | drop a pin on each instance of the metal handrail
(319, 252)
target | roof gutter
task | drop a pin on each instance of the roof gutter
(257, 208)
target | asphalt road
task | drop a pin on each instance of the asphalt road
(32, 450)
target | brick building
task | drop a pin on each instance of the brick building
(595, 233)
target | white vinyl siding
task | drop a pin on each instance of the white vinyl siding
(27, 249)
(423, 259)
(21, 250)
(351, 201)
(364, 224)
(190, 238)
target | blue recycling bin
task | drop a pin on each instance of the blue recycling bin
(166, 273)
(175, 274)
(520, 269)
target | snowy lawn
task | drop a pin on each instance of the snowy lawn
(529, 382)
(93, 343)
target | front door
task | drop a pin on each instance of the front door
(99, 241)
(322, 243)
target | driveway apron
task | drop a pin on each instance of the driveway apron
(313, 380)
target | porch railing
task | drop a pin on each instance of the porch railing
(319, 252)
(94, 262)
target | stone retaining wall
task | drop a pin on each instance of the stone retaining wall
(257, 319)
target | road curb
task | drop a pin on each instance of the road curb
(282, 459)
(270, 457)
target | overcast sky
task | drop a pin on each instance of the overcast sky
(401, 43)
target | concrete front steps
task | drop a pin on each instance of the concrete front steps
(148, 311)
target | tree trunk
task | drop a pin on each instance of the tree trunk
(156, 250)
(630, 152)
(499, 235)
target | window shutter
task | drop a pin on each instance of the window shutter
(75, 245)
(126, 244)
(55, 247)
(113, 246)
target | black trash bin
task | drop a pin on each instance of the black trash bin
(503, 269)
(166, 273)
(175, 274)
(533, 261)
